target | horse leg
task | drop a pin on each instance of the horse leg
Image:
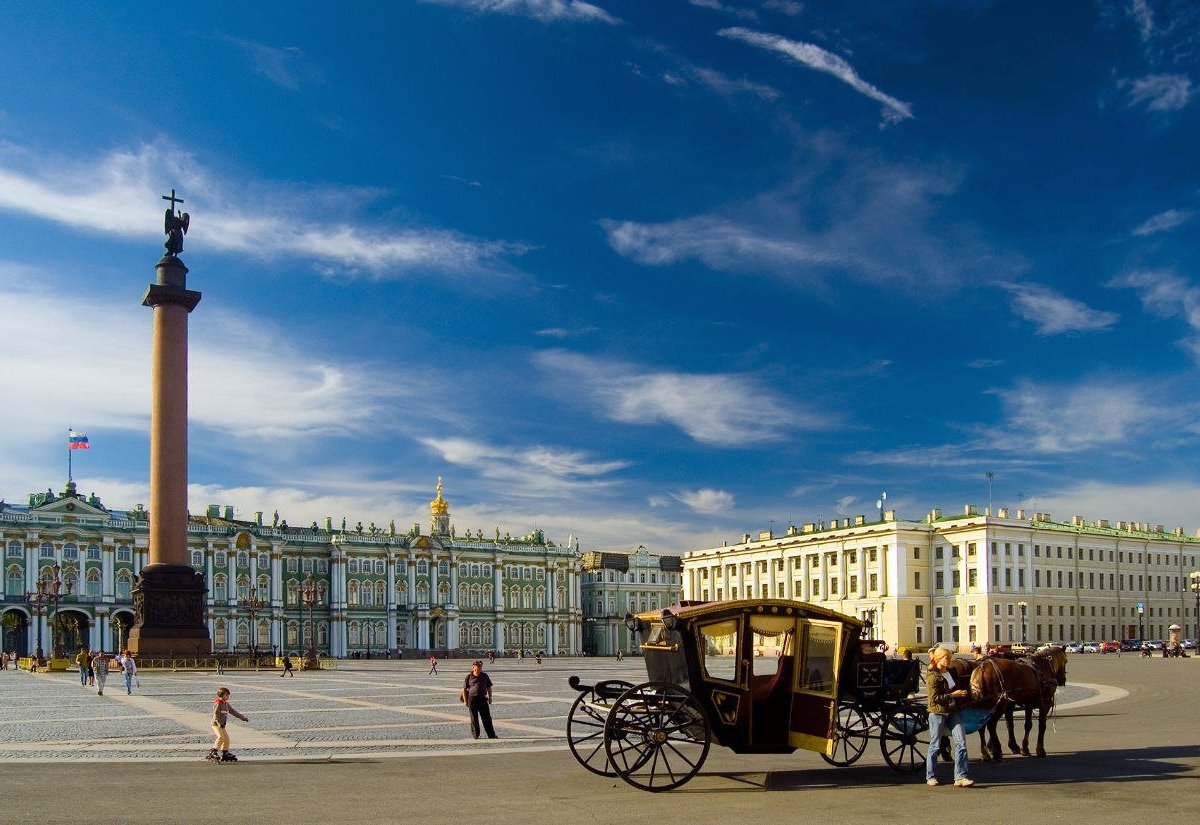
(1012, 739)
(1028, 728)
(994, 741)
(983, 745)
(1041, 740)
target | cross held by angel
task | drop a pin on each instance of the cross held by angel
(175, 225)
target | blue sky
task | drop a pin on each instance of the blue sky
(655, 272)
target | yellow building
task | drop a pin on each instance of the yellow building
(975, 578)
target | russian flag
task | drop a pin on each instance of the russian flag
(77, 441)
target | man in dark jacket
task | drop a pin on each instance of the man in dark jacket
(477, 696)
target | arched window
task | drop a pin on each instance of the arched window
(423, 593)
(422, 568)
(443, 568)
(401, 593)
(242, 634)
(381, 593)
(541, 598)
(476, 596)
(220, 559)
(368, 594)
(322, 593)
(352, 566)
(560, 597)
(527, 598)
(380, 568)
(197, 558)
(293, 591)
(264, 586)
(323, 635)
(443, 592)
(220, 638)
(293, 632)
(219, 582)
(70, 581)
(354, 634)
(92, 578)
(243, 586)
(243, 559)
(70, 551)
(487, 596)
(352, 593)
(124, 585)
(263, 636)
(464, 595)
(14, 584)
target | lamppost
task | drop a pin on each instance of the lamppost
(1024, 610)
(121, 624)
(1195, 579)
(253, 605)
(46, 592)
(1141, 614)
(369, 630)
(56, 648)
(308, 597)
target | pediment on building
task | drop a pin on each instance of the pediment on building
(70, 506)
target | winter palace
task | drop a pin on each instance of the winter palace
(271, 586)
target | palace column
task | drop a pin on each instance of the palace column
(169, 595)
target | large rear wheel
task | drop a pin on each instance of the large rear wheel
(904, 739)
(853, 732)
(656, 736)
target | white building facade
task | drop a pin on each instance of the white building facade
(376, 589)
(976, 578)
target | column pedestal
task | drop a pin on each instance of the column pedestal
(168, 603)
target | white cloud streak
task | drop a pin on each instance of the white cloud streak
(1167, 295)
(1054, 313)
(723, 410)
(1160, 92)
(528, 470)
(1163, 222)
(117, 195)
(706, 500)
(285, 67)
(818, 59)
(546, 11)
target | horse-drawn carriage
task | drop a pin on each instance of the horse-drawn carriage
(757, 676)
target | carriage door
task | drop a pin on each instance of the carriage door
(772, 659)
(724, 677)
(814, 705)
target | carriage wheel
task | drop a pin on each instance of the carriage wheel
(904, 739)
(853, 731)
(585, 732)
(656, 736)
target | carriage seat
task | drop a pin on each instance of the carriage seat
(781, 682)
(610, 689)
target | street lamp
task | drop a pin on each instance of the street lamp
(122, 624)
(308, 597)
(55, 597)
(47, 592)
(369, 629)
(253, 605)
(1195, 579)
(1024, 609)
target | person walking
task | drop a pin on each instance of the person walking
(476, 694)
(84, 659)
(287, 668)
(129, 671)
(222, 710)
(100, 671)
(943, 715)
(433, 666)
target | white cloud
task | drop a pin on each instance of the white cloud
(286, 67)
(789, 7)
(725, 410)
(1171, 503)
(1160, 92)
(1142, 15)
(530, 470)
(844, 212)
(118, 195)
(248, 382)
(1167, 295)
(725, 8)
(818, 59)
(1163, 222)
(547, 11)
(1054, 313)
(724, 85)
(1092, 414)
(706, 500)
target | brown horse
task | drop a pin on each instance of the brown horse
(961, 670)
(1027, 683)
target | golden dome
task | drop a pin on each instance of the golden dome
(439, 506)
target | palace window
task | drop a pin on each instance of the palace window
(124, 553)
(15, 551)
(243, 559)
(70, 551)
(124, 585)
(219, 559)
(197, 558)
(46, 551)
(92, 581)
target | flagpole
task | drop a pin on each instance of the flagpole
(69, 451)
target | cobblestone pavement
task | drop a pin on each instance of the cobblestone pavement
(364, 708)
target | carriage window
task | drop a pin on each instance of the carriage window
(771, 638)
(820, 650)
(718, 646)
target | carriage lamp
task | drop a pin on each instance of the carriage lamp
(669, 619)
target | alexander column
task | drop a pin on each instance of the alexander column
(168, 598)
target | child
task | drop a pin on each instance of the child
(221, 711)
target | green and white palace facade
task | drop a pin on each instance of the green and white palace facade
(372, 590)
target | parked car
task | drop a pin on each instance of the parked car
(1111, 646)
(1073, 647)
(1133, 645)
(1091, 647)
(1021, 649)
(1155, 644)
(1189, 644)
